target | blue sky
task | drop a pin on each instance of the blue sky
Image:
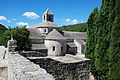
(29, 12)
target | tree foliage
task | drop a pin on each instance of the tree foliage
(21, 35)
(2, 30)
(103, 43)
(91, 32)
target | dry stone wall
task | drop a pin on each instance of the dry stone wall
(31, 54)
(65, 71)
(21, 68)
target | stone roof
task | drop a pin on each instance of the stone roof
(48, 12)
(68, 58)
(54, 34)
(45, 24)
(38, 46)
(71, 44)
(34, 33)
(80, 41)
(75, 35)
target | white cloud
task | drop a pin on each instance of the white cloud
(68, 20)
(31, 15)
(22, 24)
(8, 21)
(74, 21)
(3, 18)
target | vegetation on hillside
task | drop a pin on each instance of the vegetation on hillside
(21, 35)
(2, 29)
(103, 42)
(77, 27)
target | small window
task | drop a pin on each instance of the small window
(53, 48)
(44, 17)
(61, 48)
(44, 30)
(49, 18)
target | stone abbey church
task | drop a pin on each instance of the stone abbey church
(55, 55)
(46, 37)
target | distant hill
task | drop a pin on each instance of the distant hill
(77, 27)
(2, 28)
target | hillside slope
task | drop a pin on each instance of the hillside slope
(77, 27)
(2, 28)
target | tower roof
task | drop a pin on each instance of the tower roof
(45, 24)
(48, 20)
(48, 12)
(54, 34)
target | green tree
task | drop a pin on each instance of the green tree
(91, 32)
(100, 52)
(21, 35)
(114, 50)
(2, 30)
(105, 58)
(5, 37)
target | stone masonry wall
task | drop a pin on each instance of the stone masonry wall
(32, 54)
(3, 73)
(65, 71)
(21, 68)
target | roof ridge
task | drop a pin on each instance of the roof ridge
(48, 11)
(54, 34)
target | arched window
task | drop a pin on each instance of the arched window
(53, 48)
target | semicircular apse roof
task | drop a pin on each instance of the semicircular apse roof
(54, 34)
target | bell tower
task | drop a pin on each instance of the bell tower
(48, 16)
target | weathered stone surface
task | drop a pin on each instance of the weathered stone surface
(12, 44)
(32, 54)
(3, 73)
(2, 52)
(71, 68)
(21, 68)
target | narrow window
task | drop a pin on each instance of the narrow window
(44, 17)
(44, 30)
(49, 18)
(61, 48)
(53, 48)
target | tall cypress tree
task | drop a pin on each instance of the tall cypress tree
(107, 21)
(89, 50)
(101, 56)
(114, 50)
